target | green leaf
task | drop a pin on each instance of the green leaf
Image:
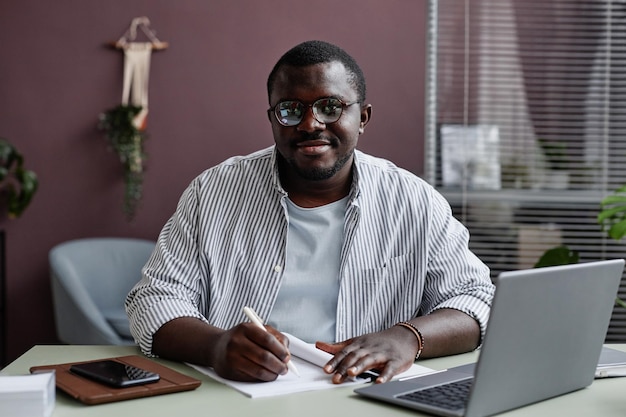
(618, 230)
(613, 214)
(613, 199)
(560, 255)
(607, 214)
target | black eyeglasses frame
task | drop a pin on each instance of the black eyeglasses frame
(344, 105)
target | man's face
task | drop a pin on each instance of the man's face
(314, 150)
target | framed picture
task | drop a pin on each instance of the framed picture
(470, 156)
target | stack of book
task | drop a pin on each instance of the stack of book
(27, 395)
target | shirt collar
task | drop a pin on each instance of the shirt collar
(275, 176)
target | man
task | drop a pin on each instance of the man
(323, 241)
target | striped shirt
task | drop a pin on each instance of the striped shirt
(403, 253)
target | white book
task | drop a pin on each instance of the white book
(309, 360)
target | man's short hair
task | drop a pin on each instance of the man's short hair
(318, 52)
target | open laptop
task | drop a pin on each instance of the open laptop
(545, 334)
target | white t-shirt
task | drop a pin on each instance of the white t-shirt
(307, 301)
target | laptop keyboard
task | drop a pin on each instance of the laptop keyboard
(451, 396)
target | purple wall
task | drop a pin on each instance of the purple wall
(207, 102)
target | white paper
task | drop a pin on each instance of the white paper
(312, 377)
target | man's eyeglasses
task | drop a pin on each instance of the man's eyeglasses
(325, 110)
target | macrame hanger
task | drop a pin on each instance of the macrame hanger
(136, 74)
(137, 67)
(131, 34)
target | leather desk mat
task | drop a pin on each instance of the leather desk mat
(91, 392)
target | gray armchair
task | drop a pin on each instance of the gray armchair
(90, 280)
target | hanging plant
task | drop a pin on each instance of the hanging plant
(126, 135)
(17, 184)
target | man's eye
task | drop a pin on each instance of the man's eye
(290, 109)
(330, 109)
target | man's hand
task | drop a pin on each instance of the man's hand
(248, 353)
(391, 351)
(243, 353)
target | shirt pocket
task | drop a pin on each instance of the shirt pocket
(387, 294)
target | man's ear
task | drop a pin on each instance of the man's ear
(366, 115)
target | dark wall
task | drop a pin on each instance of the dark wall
(207, 102)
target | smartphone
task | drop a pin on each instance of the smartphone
(115, 374)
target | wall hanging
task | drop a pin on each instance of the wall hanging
(125, 124)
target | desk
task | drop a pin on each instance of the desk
(605, 397)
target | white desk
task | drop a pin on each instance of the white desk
(606, 397)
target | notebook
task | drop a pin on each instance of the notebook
(544, 338)
(310, 361)
(612, 363)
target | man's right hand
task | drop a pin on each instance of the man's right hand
(248, 353)
(242, 353)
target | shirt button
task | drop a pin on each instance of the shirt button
(278, 268)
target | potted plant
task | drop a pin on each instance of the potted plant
(17, 184)
(127, 137)
(612, 219)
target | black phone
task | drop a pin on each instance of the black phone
(115, 374)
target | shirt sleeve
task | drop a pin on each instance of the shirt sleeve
(170, 286)
(456, 278)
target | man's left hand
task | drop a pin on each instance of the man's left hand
(390, 351)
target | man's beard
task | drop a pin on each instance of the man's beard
(319, 173)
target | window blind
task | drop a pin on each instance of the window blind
(526, 125)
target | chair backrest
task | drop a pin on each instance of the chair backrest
(90, 280)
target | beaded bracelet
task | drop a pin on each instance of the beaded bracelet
(418, 335)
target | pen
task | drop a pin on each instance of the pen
(254, 318)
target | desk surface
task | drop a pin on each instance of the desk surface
(605, 397)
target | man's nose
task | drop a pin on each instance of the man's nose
(309, 123)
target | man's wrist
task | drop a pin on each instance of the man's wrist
(418, 335)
